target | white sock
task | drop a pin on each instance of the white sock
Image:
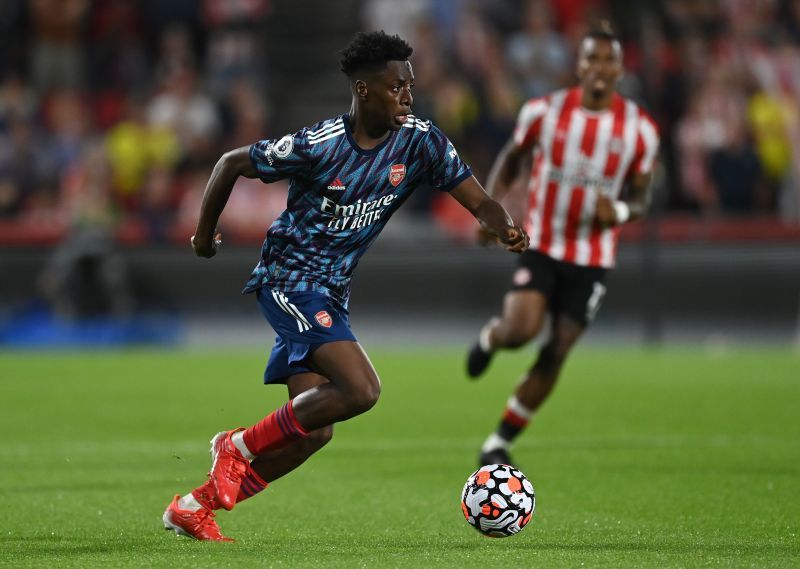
(237, 439)
(189, 502)
(493, 442)
(484, 341)
(518, 408)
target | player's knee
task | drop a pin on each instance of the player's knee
(562, 345)
(366, 397)
(552, 357)
(515, 340)
(518, 336)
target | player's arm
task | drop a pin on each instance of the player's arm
(218, 189)
(506, 169)
(638, 181)
(492, 216)
(617, 212)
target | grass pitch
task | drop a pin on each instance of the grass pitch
(663, 459)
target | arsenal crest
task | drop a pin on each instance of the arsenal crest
(324, 318)
(396, 174)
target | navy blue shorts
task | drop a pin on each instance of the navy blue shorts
(303, 321)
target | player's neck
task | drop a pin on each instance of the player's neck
(367, 136)
(597, 105)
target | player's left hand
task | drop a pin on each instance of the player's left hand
(605, 212)
(515, 239)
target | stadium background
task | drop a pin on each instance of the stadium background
(113, 112)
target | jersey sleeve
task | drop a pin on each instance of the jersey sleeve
(445, 168)
(647, 142)
(282, 158)
(529, 122)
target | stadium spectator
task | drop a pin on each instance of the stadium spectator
(25, 167)
(85, 277)
(537, 53)
(184, 108)
(18, 101)
(134, 148)
(58, 50)
(735, 173)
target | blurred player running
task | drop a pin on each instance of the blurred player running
(592, 154)
(348, 175)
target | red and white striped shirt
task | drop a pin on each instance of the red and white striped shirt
(578, 153)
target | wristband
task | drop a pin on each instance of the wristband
(622, 212)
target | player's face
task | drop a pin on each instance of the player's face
(390, 96)
(599, 66)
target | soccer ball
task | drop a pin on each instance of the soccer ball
(498, 500)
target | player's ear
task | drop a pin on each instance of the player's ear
(360, 88)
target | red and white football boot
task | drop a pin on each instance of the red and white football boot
(199, 524)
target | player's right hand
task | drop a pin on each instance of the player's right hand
(206, 248)
(605, 212)
(515, 239)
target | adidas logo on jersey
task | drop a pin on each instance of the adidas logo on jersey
(337, 185)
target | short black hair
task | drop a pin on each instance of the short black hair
(371, 51)
(602, 30)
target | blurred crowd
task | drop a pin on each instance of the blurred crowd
(720, 77)
(113, 112)
(116, 110)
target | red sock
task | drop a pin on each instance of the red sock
(252, 484)
(274, 431)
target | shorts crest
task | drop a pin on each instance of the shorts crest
(323, 318)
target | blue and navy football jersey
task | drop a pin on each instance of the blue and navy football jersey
(340, 198)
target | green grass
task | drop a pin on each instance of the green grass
(663, 459)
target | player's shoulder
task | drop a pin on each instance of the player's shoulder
(536, 107)
(648, 128)
(419, 130)
(417, 126)
(322, 131)
(643, 117)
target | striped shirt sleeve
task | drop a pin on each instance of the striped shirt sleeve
(445, 168)
(647, 143)
(529, 122)
(278, 159)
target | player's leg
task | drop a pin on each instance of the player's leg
(352, 388)
(271, 465)
(326, 347)
(523, 315)
(533, 390)
(575, 302)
